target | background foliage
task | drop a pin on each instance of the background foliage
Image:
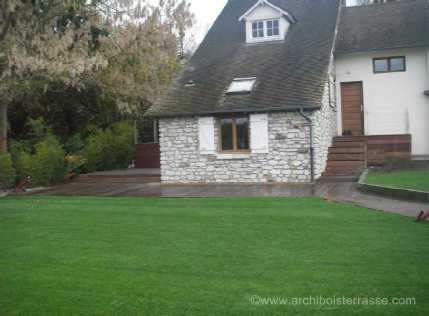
(46, 166)
(112, 148)
(70, 71)
(83, 63)
(7, 173)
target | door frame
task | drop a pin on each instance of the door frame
(362, 113)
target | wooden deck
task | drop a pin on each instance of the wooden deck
(350, 155)
(129, 172)
(122, 176)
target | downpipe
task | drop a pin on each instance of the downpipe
(310, 124)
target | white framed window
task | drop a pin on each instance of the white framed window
(266, 28)
(258, 29)
(273, 28)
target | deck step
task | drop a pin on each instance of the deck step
(341, 173)
(117, 179)
(346, 163)
(349, 139)
(351, 144)
(346, 157)
(331, 172)
(344, 169)
(338, 178)
(346, 150)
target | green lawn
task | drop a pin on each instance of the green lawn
(94, 256)
(416, 180)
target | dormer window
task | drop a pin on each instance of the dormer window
(266, 22)
(258, 29)
(273, 27)
(268, 28)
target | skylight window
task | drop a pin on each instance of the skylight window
(241, 85)
(190, 83)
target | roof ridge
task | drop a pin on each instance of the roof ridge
(389, 3)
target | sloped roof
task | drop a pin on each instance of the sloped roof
(400, 24)
(290, 74)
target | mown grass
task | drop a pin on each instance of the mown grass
(415, 180)
(95, 256)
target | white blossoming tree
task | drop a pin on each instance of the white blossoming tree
(129, 47)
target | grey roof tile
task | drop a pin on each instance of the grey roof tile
(290, 74)
(398, 24)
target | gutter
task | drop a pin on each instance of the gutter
(368, 50)
(331, 69)
(310, 124)
(426, 92)
(253, 111)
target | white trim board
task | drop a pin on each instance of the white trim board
(289, 16)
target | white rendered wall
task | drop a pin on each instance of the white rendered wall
(394, 103)
(427, 66)
(265, 12)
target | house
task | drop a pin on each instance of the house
(382, 53)
(290, 90)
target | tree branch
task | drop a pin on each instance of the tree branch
(6, 20)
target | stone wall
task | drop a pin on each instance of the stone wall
(325, 129)
(288, 159)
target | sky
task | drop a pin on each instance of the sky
(206, 12)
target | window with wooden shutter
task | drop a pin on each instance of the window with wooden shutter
(259, 133)
(234, 134)
(206, 135)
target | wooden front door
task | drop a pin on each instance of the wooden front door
(352, 108)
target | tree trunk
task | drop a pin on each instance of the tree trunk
(3, 128)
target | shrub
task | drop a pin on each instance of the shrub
(16, 147)
(110, 149)
(38, 129)
(74, 164)
(123, 144)
(46, 166)
(7, 172)
(37, 132)
(74, 144)
(23, 164)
